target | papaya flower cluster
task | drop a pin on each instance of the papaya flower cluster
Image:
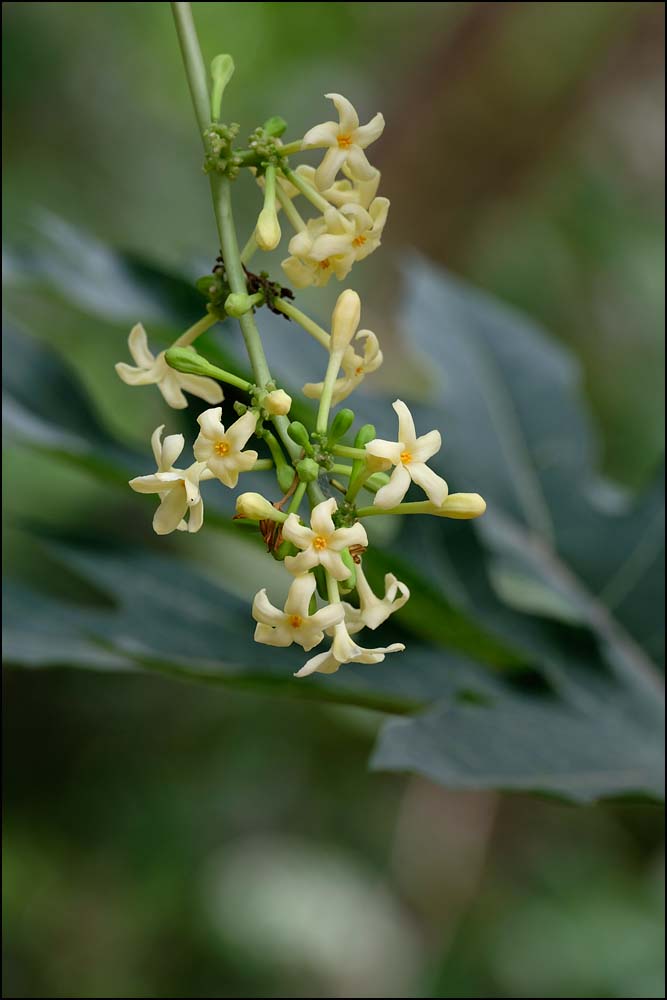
(325, 553)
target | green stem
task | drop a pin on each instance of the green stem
(261, 464)
(342, 470)
(291, 147)
(347, 452)
(309, 192)
(330, 377)
(249, 249)
(309, 325)
(196, 330)
(297, 498)
(290, 211)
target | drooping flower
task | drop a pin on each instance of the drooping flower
(178, 489)
(375, 610)
(409, 454)
(345, 650)
(303, 268)
(355, 368)
(154, 370)
(294, 623)
(322, 543)
(346, 141)
(220, 449)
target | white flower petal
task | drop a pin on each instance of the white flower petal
(427, 446)
(434, 486)
(269, 636)
(172, 446)
(325, 663)
(296, 533)
(170, 512)
(204, 388)
(366, 134)
(320, 518)
(264, 611)
(196, 516)
(325, 134)
(325, 175)
(389, 450)
(343, 538)
(349, 119)
(138, 345)
(358, 163)
(333, 564)
(392, 494)
(406, 425)
(300, 593)
(302, 563)
(171, 390)
(210, 422)
(134, 376)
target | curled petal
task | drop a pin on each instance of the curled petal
(156, 483)
(265, 612)
(434, 486)
(345, 537)
(170, 512)
(329, 616)
(300, 593)
(392, 494)
(325, 134)
(269, 636)
(320, 518)
(296, 533)
(134, 376)
(358, 163)
(325, 663)
(330, 246)
(389, 450)
(138, 344)
(333, 564)
(196, 518)
(172, 446)
(204, 388)
(349, 119)
(313, 390)
(406, 425)
(366, 134)
(210, 422)
(301, 563)
(325, 175)
(297, 273)
(427, 446)
(156, 444)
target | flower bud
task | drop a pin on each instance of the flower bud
(300, 436)
(267, 230)
(345, 320)
(461, 506)
(275, 126)
(308, 470)
(364, 435)
(277, 403)
(186, 359)
(340, 425)
(238, 304)
(255, 507)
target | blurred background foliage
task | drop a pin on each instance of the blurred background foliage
(166, 840)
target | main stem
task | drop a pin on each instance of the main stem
(222, 206)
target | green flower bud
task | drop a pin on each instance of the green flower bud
(300, 436)
(222, 70)
(275, 126)
(364, 435)
(340, 425)
(186, 359)
(307, 470)
(238, 304)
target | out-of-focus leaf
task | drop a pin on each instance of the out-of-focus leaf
(530, 589)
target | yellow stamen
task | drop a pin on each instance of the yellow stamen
(344, 141)
(221, 448)
(296, 621)
(406, 457)
(359, 370)
(324, 264)
(319, 543)
(358, 241)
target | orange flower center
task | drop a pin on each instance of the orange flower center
(221, 448)
(358, 241)
(359, 370)
(324, 264)
(296, 621)
(406, 457)
(344, 141)
(319, 543)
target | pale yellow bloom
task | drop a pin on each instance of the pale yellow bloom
(220, 449)
(346, 141)
(409, 456)
(294, 623)
(178, 489)
(322, 543)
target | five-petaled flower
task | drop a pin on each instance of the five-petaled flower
(294, 623)
(178, 489)
(355, 368)
(322, 543)
(409, 454)
(154, 370)
(350, 191)
(346, 141)
(222, 450)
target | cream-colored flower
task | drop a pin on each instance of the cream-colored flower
(294, 623)
(409, 454)
(355, 233)
(355, 369)
(154, 370)
(345, 650)
(343, 192)
(178, 489)
(322, 543)
(460, 506)
(346, 141)
(277, 403)
(375, 610)
(304, 268)
(220, 449)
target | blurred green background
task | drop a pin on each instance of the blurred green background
(162, 840)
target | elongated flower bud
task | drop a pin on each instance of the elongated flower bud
(267, 230)
(341, 424)
(255, 507)
(345, 320)
(461, 506)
